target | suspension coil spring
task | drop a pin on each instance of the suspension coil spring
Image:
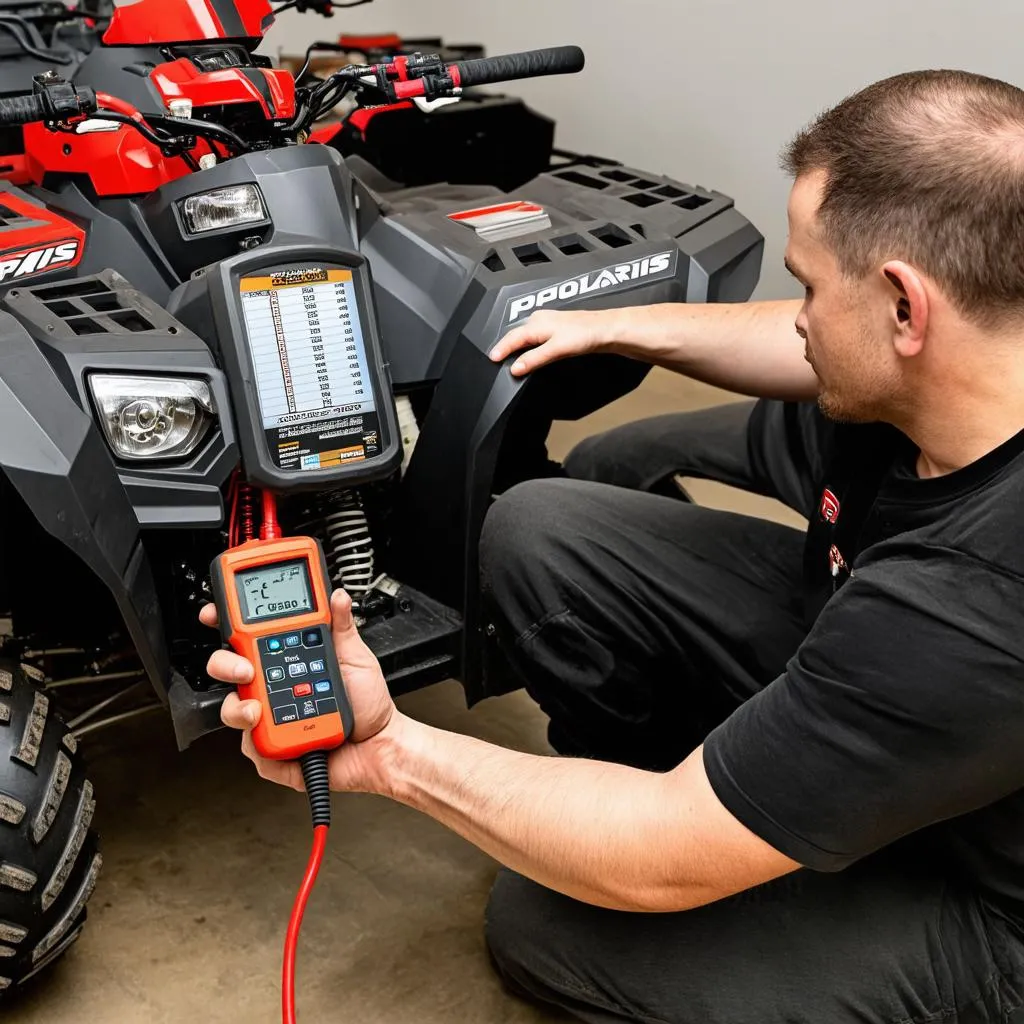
(348, 545)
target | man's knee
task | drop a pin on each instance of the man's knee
(603, 458)
(502, 930)
(541, 945)
(519, 534)
(516, 929)
(641, 456)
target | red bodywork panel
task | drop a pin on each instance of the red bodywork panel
(326, 134)
(119, 163)
(35, 240)
(181, 79)
(154, 22)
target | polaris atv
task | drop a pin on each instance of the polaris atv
(198, 303)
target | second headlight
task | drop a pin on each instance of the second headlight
(223, 208)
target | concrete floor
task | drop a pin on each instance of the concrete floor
(202, 860)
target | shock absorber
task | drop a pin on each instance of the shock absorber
(349, 545)
(340, 519)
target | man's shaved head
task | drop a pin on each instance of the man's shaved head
(927, 167)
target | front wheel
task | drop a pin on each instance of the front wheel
(49, 861)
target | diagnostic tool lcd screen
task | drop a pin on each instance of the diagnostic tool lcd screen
(309, 355)
(275, 591)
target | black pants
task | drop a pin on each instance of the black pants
(638, 621)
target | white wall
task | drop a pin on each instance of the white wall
(707, 91)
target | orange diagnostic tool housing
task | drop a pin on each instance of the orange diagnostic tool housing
(273, 600)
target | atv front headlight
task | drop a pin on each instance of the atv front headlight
(223, 208)
(152, 417)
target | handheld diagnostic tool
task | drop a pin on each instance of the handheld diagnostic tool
(273, 600)
(301, 347)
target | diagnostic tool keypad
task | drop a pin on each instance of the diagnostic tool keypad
(301, 677)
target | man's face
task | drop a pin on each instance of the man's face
(843, 321)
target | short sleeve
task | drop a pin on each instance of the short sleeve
(904, 707)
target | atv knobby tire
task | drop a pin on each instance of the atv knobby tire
(48, 855)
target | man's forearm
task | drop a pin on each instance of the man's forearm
(750, 348)
(602, 833)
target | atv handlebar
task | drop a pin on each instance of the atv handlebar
(52, 102)
(22, 110)
(431, 79)
(558, 60)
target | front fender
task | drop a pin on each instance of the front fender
(55, 458)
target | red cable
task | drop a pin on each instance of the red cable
(269, 528)
(295, 923)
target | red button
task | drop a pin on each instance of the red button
(303, 689)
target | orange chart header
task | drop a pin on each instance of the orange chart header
(295, 279)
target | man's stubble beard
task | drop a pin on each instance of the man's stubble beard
(833, 409)
(872, 397)
(875, 409)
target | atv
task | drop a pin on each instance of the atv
(199, 303)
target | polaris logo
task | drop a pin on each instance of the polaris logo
(25, 262)
(616, 277)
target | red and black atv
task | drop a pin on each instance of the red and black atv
(197, 302)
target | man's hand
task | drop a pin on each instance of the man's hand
(356, 765)
(549, 336)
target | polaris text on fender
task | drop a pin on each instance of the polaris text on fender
(617, 277)
(24, 262)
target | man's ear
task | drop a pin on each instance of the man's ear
(909, 299)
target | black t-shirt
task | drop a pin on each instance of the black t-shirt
(903, 711)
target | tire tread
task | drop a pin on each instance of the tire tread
(56, 787)
(72, 914)
(66, 864)
(35, 726)
(11, 811)
(49, 861)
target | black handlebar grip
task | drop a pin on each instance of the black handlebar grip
(558, 60)
(22, 110)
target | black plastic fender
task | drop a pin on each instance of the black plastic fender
(55, 458)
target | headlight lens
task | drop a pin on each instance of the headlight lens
(152, 417)
(223, 208)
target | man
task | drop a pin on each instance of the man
(749, 702)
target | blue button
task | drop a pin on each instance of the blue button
(317, 666)
(314, 638)
(324, 686)
(274, 645)
(292, 640)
